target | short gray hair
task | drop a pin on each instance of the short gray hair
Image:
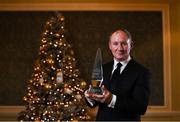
(125, 31)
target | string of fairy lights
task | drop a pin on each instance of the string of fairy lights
(55, 92)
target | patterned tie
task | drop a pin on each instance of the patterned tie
(116, 72)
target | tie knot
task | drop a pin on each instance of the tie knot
(119, 65)
(116, 72)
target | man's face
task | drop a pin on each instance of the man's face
(120, 45)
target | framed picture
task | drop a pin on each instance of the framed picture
(88, 27)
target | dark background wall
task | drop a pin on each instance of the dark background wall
(20, 34)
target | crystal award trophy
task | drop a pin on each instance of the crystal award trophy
(97, 74)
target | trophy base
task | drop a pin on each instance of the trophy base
(96, 90)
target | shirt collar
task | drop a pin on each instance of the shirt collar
(125, 62)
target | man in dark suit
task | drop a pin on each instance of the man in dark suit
(125, 85)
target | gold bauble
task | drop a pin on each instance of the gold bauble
(83, 84)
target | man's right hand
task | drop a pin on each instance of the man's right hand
(89, 96)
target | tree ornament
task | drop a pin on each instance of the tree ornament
(59, 76)
(83, 84)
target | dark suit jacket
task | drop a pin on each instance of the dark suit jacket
(132, 90)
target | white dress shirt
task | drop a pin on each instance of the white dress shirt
(124, 63)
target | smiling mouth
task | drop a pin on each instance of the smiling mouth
(120, 53)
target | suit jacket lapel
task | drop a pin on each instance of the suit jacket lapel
(128, 75)
(129, 69)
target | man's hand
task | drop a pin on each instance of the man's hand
(87, 93)
(106, 97)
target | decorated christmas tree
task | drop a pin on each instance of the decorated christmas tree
(55, 92)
